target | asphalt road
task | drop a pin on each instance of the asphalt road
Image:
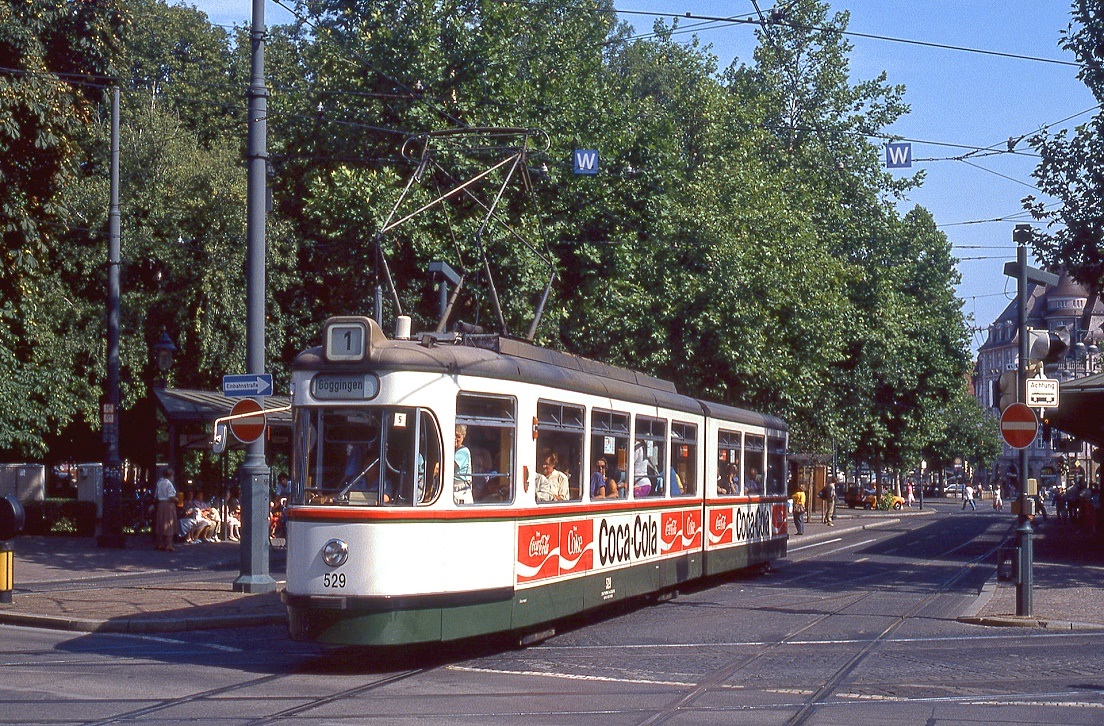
(857, 629)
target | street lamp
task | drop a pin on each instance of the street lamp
(163, 352)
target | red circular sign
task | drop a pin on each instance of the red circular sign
(249, 428)
(1019, 425)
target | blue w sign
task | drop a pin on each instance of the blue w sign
(899, 156)
(586, 161)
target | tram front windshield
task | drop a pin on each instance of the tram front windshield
(383, 456)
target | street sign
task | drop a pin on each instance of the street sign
(248, 428)
(586, 161)
(898, 155)
(1042, 392)
(1019, 425)
(250, 384)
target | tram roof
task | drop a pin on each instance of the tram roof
(493, 356)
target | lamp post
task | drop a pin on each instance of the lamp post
(163, 351)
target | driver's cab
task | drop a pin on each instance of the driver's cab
(360, 456)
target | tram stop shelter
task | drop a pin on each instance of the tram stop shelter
(191, 416)
(1080, 411)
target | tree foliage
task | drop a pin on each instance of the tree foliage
(1071, 169)
(741, 238)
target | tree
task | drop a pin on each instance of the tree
(1071, 169)
(55, 59)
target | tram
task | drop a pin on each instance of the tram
(450, 485)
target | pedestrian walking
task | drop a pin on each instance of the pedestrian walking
(797, 502)
(968, 498)
(909, 498)
(165, 523)
(998, 503)
(828, 494)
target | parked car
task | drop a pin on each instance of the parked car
(867, 498)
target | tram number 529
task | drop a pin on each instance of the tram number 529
(333, 579)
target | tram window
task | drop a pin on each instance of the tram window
(776, 466)
(490, 425)
(559, 465)
(366, 456)
(649, 458)
(754, 448)
(684, 455)
(729, 447)
(609, 443)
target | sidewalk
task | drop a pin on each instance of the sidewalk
(69, 583)
(1068, 591)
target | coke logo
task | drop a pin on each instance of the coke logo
(671, 529)
(722, 522)
(538, 546)
(574, 543)
(691, 527)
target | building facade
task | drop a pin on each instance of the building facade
(1068, 305)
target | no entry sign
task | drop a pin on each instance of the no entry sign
(1019, 426)
(248, 428)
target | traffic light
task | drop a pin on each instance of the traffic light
(1048, 346)
(1006, 390)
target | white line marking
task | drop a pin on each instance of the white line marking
(570, 676)
(816, 544)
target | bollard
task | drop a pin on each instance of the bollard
(12, 518)
(1024, 577)
(7, 568)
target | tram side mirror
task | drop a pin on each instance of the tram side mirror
(12, 517)
(218, 442)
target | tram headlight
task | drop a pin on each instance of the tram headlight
(335, 553)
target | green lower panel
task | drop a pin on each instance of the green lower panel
(526, 609)
(396, 627)
(738, 558)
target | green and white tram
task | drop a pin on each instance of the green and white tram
(450, 485)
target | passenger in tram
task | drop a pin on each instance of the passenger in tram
(462, 477)
(602, 485)
(482, 481)
(552, 485)
(728, 483)
(754, 482)
(642, 483)
(676, 482)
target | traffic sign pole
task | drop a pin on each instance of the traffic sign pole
(254, 576)
(1023, 542)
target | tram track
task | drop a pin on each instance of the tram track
(720, 675)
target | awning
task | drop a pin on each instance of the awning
(1080, 411)
(193, 413)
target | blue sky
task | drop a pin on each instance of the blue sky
(956, 98)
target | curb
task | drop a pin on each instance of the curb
(829, 533)
(1017, 621)
(141, 625)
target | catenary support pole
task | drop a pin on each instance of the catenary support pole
(1023, 530)
(254, 481)
(111, 526)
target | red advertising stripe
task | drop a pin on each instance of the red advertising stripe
(720, 526)
(778, 516)
(576, 546)
(538, 551)
(670, 533)
(692, 529)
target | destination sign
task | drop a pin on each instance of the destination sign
(345, 386)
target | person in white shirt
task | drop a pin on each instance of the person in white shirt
(165, 523)
(968, 496)
(552, 484)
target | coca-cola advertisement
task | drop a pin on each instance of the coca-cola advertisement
(576, 546)
(538, 551)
